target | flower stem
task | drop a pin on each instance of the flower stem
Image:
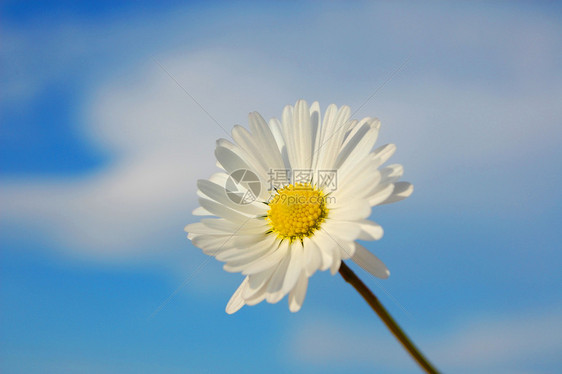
(350, 277)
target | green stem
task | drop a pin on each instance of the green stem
(350, 277)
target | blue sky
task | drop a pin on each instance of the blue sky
(100, 151)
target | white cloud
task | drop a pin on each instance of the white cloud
(326, 343)
(161, 141)
(491, 344)
(504, 341)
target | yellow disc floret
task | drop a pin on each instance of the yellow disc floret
(296, 211)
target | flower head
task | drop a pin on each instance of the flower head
(293, 197)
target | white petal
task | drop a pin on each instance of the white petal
(370, 262)
(340, 249)
(276, 130)
(391, 173)
(357, 184)
(286, 128)
(275, 285)
(336, 263)
(342, 229)
(299, 135)
(315, 123)
(222, 211)
(219, 178)
(236, 302)
(219, 194)
(359, 142)
(332, 137)
(382, 154)
(246, 141)
(245, 255)
(257, 298)
(199, 211)
(240, 256)
(298, 293)
(351, 211)
(349, 175)
(257, 283)
(230, 160)
(199, 228)
(312, 257)
(252, 226)
(370, 230)
(295, 267)
(323, 133)
(233, 158)
(301, 131)
(263, 259)
(269, 261)
(347, 249)
(331, 253)
(326, 246)
(247, 239)
(212, 244)
(286, 119)
(380, 194)
(401, 191)
(267, 141)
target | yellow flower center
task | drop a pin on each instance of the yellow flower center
(296, 211)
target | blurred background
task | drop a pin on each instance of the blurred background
(103, 136)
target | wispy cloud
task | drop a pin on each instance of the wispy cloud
(445, 112)
(515, 342)
(162, 142)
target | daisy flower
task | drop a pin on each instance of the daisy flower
(293, 197)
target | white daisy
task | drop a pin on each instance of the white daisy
(293, 197)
